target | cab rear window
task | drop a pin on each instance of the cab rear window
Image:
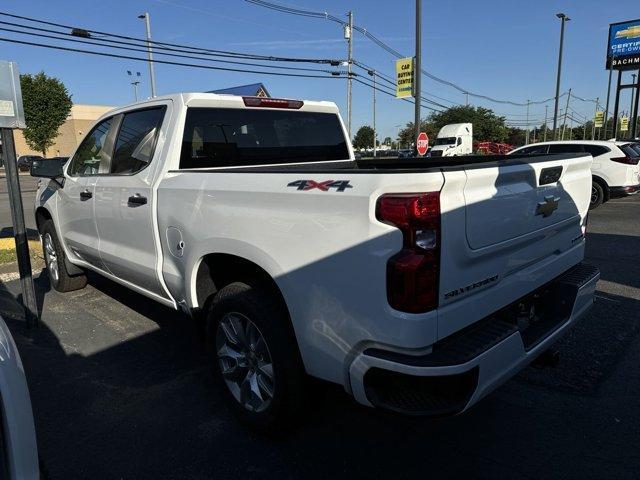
(223, 137)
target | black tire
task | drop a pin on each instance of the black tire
(597, 195)
(62, 282)
(271, 319)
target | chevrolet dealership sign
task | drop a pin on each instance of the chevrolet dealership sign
(623, 48)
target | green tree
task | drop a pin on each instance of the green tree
(47, 104)
(387, 141)
(364, 137)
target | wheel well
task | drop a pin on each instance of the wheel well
(218, 270)
(603, 184)
(42, 215)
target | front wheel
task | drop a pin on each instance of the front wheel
(254, 357)
(597, 195)
(54, 258)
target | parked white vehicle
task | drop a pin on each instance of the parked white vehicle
(417, 287)
(19, 453)
(453, 140)
(615, 169)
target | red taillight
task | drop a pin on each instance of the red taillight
(413, 272)
(272, 102)
(626, 160)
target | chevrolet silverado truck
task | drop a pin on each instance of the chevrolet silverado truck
(417, 287)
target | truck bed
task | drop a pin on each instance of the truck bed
(394, 165)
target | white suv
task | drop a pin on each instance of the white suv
(615, 169)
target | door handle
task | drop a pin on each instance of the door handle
(137, 199)
(85, 195)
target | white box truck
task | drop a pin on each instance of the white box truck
(453, 140)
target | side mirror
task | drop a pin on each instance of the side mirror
(47, 168)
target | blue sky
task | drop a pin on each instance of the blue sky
(504, 49)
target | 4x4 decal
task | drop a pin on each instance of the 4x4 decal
(339, 185)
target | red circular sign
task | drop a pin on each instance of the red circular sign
(422, 144)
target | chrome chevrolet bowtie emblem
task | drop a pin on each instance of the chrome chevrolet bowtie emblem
(547, 207)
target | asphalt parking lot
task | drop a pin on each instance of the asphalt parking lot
(120, 389)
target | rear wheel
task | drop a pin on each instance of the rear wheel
(254, 357)
(54, 258)
(597, 195)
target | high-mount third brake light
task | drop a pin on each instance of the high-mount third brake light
(413, 273)
(272, 102)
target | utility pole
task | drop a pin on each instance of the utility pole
(563, 19)
(546, 108)
(152, 75)
(348, 34)
(593, 121)
(566, 111)
(606, 110)
(373, 74)
(526, 140)
(417, 73)
(467, 98)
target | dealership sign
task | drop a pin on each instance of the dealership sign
(404, 77)
(623, 48)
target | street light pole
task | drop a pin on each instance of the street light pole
(417, 73)
(632, 132)
(563, 19)
(593, 122)
(152, 75)
(526, 141)
(135, 84)
(606, 109)
(348, 33)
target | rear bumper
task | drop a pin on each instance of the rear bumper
(618, 192)
(464, 367)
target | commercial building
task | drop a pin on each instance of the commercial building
(72, 131)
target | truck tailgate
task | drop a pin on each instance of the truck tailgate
(507, 228)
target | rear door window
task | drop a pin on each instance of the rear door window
(136, 140)
(596, 150)
(566, 148)
(221, 137)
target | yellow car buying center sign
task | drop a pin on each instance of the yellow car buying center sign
(404, 77)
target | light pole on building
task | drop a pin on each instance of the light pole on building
(152, 76)
(563, 18)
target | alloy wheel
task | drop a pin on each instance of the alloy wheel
(245, 361)
(51, 257)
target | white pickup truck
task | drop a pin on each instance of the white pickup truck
(417, 287)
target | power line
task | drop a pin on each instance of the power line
(389, 49)
(143, 50)
(166, 62)
(157, 44)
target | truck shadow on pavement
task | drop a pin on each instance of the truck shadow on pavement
(121, 389)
